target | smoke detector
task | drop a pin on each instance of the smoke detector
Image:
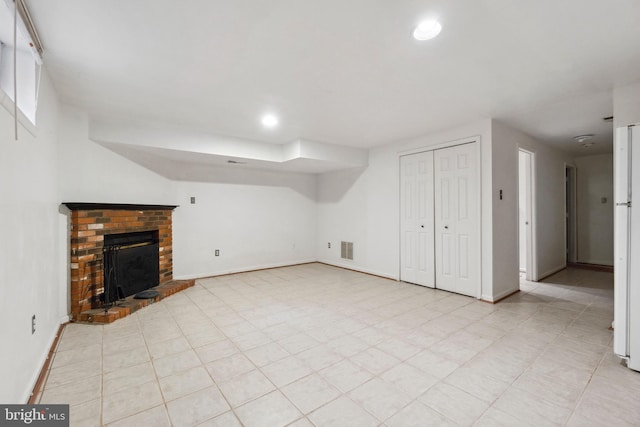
(585, 140)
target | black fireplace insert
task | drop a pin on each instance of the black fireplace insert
(131, 264)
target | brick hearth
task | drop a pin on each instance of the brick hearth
(90, 222)
(129, 305)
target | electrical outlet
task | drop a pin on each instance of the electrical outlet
(33, 324)
(217, 252)
(193, 200)
(329, 245)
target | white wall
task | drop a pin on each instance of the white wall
(594, 218)
(362, 206)
(549, 209)
(505, 212)
(257, 219)
(92, 173)
(29, 253)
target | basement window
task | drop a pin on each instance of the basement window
(27, 63)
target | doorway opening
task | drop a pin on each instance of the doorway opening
(571, 239)
(526, 215)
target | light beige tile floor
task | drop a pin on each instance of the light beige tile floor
(317, 345)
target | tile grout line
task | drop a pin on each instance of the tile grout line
(232, 408)
(258, 314)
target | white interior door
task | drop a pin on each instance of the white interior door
(570, 212)
(522, 209)
(525, 208)
(457, 218)
(622, 231)
(417, 224)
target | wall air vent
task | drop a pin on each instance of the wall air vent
(346, 250)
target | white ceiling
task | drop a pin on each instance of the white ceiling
(345, 72)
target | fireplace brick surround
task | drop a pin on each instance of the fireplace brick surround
(89, 223)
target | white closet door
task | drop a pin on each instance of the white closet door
(457, 219)
(634, 240)
(417, 222)
(622, 233)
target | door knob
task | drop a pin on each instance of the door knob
(446, 226)
(422, 226)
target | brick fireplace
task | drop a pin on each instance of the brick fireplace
(89, 224)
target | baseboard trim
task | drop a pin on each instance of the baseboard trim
(357, 269)
(272, 266)
(242, 270)
(500, 297)
(551, 272)
(589, 266)
(45, 367)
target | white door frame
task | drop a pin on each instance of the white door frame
(433, 148)
(532, 261)
(571, 234)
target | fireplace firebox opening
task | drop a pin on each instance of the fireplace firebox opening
(131, 265)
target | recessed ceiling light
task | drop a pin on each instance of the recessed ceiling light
(427, 30)
(270, 120)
